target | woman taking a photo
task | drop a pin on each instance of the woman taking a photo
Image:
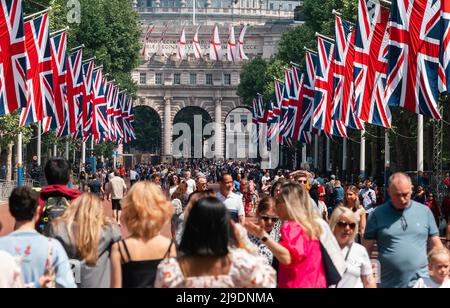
(299, 252)
(206, 259)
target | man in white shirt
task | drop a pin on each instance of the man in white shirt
(116, 190)
(232, 201)
(190, 183)
(133, 177)
(368, 197)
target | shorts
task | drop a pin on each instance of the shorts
(116, 205)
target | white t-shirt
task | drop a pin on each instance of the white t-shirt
(428, 283)
(358, 264)
(265, 179)
(234, 204)
(133, 175)
(191, 186)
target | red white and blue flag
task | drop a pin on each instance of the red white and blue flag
(344, 54)
(75, 89)
(322, 119)
(40, 98)
(59, 63)
(445, 47)
(86, 116)
(99, 105)
(298, 132)
(307, 94)
(13, 58)
(414, 56)
(370, 64)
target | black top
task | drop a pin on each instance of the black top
(139, 274)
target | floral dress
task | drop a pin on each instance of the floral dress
(264, 251)
(246, 271)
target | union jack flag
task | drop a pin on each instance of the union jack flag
(288, 108)
(322, 119)
(13, 59)
(370, 65)
(307, 93)
(118, 124)
(298, 133)
(59, 61)
(127, 129)
(274, 124)
(414, 52)
(445, 54)
(40, 98)
(344, 55)
(74, 89)
(99, 105)
(110, 92)
(86, 116)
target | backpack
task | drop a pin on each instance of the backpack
(54, 207)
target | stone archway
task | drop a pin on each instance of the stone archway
(237, 134)
(148, 127)
(195, 118)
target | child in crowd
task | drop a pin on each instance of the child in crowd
(439, 265)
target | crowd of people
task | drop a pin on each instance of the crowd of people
(232, 225)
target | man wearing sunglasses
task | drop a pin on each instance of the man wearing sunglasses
(402, 230)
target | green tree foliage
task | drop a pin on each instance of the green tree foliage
(105, 149)
(9, 130)
(293, 41)
(253, 79)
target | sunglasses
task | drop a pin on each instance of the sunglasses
(303, 182)
(343, 224)
(267, 218)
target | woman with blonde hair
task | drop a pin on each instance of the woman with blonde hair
(351, 201)
(87, 235)
(135, 259)
(359, 274)
(299, 252)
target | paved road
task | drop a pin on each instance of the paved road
(8, 221)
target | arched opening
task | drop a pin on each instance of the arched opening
(196, 118)
(238, 136)
(148, 132)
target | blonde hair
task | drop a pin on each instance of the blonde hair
(358, 204)
(145, 210)
(84, 220)
(299, 209)
(437, 252)
(336, 217)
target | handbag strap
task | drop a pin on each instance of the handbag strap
(346, 258)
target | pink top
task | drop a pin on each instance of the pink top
(306, 269)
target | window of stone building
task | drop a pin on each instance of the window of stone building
(227, 79)
(193, 79)
(143, 78)
(176, 78)
(209, 79)
(158, 78)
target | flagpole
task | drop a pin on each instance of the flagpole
(67, 150)
(194, 4)
(37, 14)
(362, 159)
(330, 39)
(303, 154)
(59, 31)
(387, 163)
(78, 48)
(83, 154)
(344, 159)
(420, 166)
(39, 143)
(328, 158)
(55, 150)
(316, 152)
(19, 160)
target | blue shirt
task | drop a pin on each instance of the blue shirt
(339, 194)
(402, 239)
(33, 249)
